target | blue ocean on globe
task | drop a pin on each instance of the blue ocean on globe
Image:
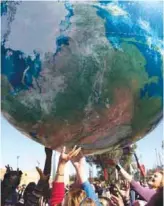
(82, 72)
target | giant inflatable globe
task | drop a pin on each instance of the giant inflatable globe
(85, 73)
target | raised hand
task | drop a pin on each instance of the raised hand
(116, 201)
(78, 161)
(79, 164)
(124, 190)
(42, 175)
(64, 158)
(8, 168)
(126, 187)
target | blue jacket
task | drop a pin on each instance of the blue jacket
(87, 187)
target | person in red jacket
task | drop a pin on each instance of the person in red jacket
(82, 193)
(58, 191)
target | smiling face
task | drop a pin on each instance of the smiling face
(155, 180)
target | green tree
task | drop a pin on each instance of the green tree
(101, 161)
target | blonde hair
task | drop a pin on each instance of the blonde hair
(161, 184)
(162, 181)
(104, 201)
(75, 197)
(88, 202)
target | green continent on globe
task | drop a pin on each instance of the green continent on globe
(89, 92)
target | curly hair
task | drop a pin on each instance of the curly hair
(75, 197)
(87, 202)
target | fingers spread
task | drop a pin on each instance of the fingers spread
(73, 150)
(75, 153)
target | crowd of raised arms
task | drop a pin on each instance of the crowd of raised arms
(124, 192)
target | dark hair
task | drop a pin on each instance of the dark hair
(10, 182)
(29, 189)
(12, 178)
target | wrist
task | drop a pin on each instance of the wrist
(61, 167)
(62, 162)
(118, 167)
(60, 173)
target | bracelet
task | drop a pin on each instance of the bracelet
(118, 167)
(59, 174)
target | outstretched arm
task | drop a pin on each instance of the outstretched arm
(124, 173)
(79, 164)
(145, 193)
(42, 188)
(47, 166)
(57, 194)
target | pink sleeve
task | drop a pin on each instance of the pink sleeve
(144, 192)
(57, 193)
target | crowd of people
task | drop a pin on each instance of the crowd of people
(82, 192)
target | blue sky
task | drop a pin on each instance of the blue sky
(14, 144)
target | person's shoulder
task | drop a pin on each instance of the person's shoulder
(86, 183)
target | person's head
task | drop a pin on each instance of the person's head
(87, 202)
(156, 180)
(104, 201)
(11, 181)
(29, 189)
(74, 197)
(12, 178)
